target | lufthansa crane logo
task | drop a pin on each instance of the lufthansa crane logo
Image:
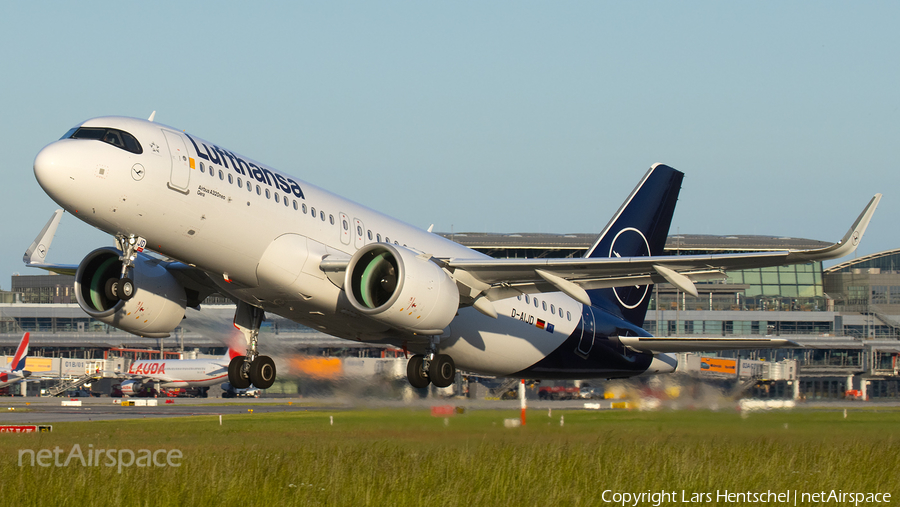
(630, 242)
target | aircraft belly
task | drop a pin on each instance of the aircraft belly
(498, 346)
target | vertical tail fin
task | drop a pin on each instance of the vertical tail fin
(639, 228)
(18, 360)
(231, 353)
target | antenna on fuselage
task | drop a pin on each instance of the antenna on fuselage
(152, 115)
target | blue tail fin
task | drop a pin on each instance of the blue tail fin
(639, 228)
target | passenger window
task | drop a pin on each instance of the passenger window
(346, 225)
(331, 219)
(378, 238)
(387, 239)
(268, 194)
(568, 316)
(304, 208)
(286, 202)
(519, 297)
(295, 205)
(230, 180)
(313, 212)
(560, 312)
(322, 215)
(221, 175)
(240, 181)
(258, 190)
(544, 305)
(535, 302)
(358, 230)
(212, 173)
(370, 235)
(277, 198)
(552, 308)
(249, 186)
(202, 169)
(527, 299)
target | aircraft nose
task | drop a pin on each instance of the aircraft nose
(52, 167)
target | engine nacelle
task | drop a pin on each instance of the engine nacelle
(154, 311)
(396, 286)
(131, 387)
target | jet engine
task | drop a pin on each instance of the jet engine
(155, 308)
(131, 387)
(401, 288)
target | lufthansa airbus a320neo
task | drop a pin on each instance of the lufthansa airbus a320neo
(191, 218)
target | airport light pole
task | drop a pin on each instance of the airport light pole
(522, 399)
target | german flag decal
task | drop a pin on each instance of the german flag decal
(546, 326)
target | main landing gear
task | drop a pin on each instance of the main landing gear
(437, 369)
(251, 368)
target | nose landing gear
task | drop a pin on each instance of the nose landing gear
(123, 287)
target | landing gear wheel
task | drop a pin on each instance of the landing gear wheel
(111, 289)
(262, 372)
(415, 372)
(125, 289)
(442, 371)
(236, 375)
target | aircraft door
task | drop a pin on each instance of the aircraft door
(181, 162)
(360, 230)
(587, 332)
(345, 229)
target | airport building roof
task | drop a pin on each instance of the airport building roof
(887, 261)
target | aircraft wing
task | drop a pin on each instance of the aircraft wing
(664, 344)
(503, 278)
(133, 376)
(36, 254)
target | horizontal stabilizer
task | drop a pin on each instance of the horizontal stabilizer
(702, 344)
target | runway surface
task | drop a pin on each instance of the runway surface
(15, 410)
(50, 410)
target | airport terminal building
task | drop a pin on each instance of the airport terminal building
(847, 316)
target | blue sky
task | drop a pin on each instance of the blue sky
(482, 116)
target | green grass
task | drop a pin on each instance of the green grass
(407, 457)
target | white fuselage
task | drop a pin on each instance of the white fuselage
(181, 372)
(261, 234)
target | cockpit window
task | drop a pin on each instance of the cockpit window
(115, 137)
